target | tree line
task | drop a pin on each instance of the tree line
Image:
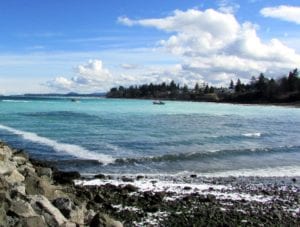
(260, 89)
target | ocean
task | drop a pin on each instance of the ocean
(119, 136)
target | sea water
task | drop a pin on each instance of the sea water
(120, 136)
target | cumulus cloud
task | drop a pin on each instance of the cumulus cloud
(283, 12)
(217, 47)
(89, 76)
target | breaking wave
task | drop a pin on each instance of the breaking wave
(74, 150)
(203, 155)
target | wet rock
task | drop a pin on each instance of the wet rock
(65, 177)
(127, 179)
(103, 220)
(139, 177)
(187, 188)
(99, 176)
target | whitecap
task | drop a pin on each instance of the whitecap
(16, 101)
(254, 134)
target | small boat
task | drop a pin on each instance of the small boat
(74, 100)
(158, 102)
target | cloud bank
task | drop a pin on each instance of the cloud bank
(211, 45)
(217, 47)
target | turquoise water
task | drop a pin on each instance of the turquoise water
(97, 135)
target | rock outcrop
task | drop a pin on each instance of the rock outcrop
(36, 195)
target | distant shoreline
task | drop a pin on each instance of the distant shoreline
(68, 96)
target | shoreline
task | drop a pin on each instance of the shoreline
(48, 196)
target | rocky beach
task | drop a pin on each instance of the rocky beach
(32, 193)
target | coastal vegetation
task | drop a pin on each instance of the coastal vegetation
(260, 89)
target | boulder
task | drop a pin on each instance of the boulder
(15, 177)
(19, 160)
(6, 167)
(21, 154)
(22, 208)
(35, 221)
(44, 171)
(103, 220)
(65, 206)
(5, 153)
(44, 207)
(78, 215)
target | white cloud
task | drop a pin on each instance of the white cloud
(128, 66)
(216, 47)
(89, 77)
(228, 6)
(60, 83)
(283, 12)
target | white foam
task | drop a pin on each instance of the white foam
(221, 192)
(17, 101)
(281, 171)
(253, 134)
(74, 150)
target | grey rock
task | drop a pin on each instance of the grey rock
(35, 221)
(15, 177)
(22, 209)
(65, 206)
(43, 206)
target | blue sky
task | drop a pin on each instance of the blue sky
(91, 45)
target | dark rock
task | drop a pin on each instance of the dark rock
(187, 188)
(65, 206)
(193, 176)
(139, 177)
(127, 179)
(99, 198)
(103, 220)
(294, 180)
(65, 177)
(99, 176)
(130, 188)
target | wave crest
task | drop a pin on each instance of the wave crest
(71, 149)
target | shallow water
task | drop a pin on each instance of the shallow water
(133, 136)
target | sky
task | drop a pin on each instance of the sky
(92, 45)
